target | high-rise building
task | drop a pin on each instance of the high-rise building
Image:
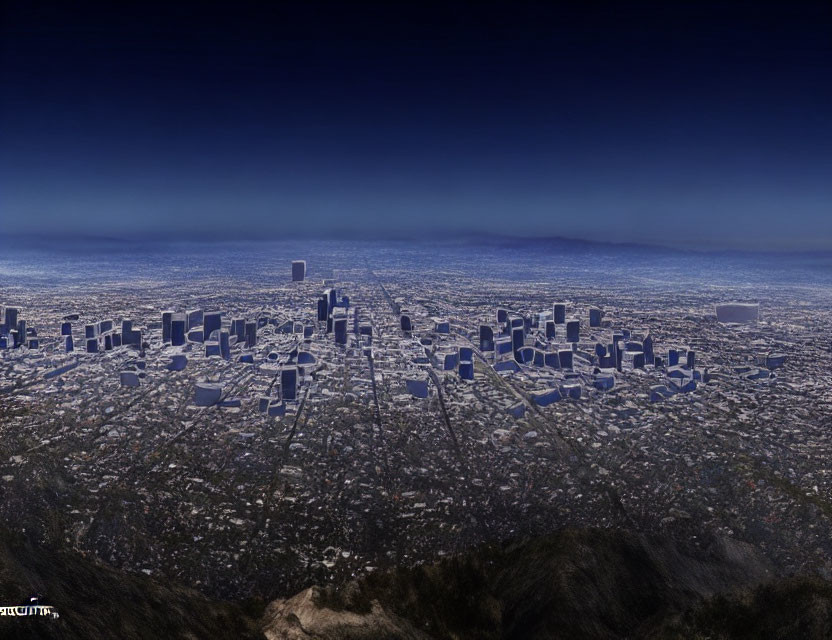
(647, 345)
(340, 327)
(486, 338)
(10, 321)
(616, 349)
(573, 330)
(323, 308)
(559, 313)
(298, 270)
(594, 317)
(225, 347)
(129, 335)
(178, 323)
(289, 383)
(238, 329)
(251, 335)
(196, 319)
(517, 340)
(211, 321)
(166, 316)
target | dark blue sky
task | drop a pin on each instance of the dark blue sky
(671, 123)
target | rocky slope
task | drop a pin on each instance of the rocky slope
(575, 584)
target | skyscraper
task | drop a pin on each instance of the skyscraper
(486, 338)
(573, 330)
(289, 383)
(251, 334)
(517, 340)
(178, 322)
(166, 317)
(10, 321)
(298, 270)
(647, 345)
(212, 321)
(196, 320)
(340, 324)
(225, 348)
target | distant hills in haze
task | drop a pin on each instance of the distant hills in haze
(70, 241)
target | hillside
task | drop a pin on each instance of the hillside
(98, 602)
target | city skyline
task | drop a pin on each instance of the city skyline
(465, 321)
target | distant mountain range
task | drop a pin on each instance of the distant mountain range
(48, 240)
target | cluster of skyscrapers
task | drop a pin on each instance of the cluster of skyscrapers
(553, 340)
(549, 340)
(14, 333)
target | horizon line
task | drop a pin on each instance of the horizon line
(351, 235)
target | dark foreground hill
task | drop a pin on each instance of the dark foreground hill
(573, 584)
(101, 603)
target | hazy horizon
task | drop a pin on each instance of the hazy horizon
(136, 239)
